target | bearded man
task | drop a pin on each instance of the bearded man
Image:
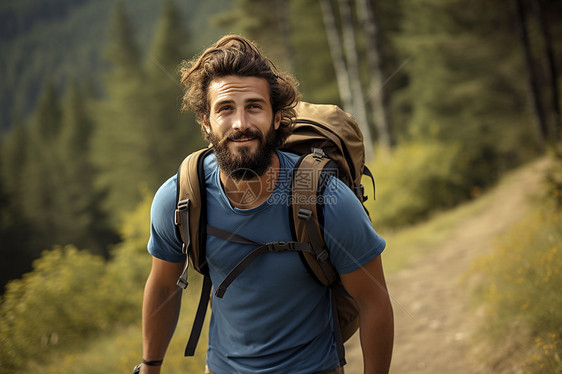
(275, 318)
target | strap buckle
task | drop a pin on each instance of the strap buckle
(305, 214)
(182, 280)
(323, 256)
(360, 192)
(182, 205)
(279, 246)
(318, 153)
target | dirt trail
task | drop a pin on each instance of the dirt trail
(432, 319)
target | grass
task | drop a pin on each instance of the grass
(518, 289)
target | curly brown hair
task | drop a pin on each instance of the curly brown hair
(235, 55)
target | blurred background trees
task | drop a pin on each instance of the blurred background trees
(91, 117)
(450, 93)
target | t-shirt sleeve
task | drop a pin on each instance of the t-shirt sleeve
(348, 232)
(164, 242)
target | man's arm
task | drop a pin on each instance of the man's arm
(368, 288)
(160, 310)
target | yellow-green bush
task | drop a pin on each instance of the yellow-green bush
(415, 180)
(130, 264)
(56, 304)
(519, 290)
(71, 295)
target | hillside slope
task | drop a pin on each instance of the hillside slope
(61, 40)
(432, 316)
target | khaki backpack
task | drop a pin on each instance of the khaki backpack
(330, 144)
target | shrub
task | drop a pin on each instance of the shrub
(518, 289)
(414, 181)
(71, 295)
(56, 304)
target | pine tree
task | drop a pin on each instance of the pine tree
(81, 220)
(41, 174)
(121, 144)
(173, 134)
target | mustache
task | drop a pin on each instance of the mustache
(234, 135)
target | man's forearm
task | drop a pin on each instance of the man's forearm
(161, 306)
(377, 338)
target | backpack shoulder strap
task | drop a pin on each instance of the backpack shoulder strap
(191, 221)
(309, 180)
(190, 216)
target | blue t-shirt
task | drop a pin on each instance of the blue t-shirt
(274, 317)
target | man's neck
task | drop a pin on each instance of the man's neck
(247, 194)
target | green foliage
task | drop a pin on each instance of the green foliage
(64, 39)
(72, 295)
(263, 21)
(54, 305)
(79, 214)
(41, 174)
(518, 288)
(417, 179)
(292, 36)
(313, 64)
(120, 146)
(173, 134)
(140, 136)
(51, 320)
(465, 83)
(130, 264)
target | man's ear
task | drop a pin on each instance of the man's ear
(206, 124)
(277, 120)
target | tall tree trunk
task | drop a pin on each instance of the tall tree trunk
(336, 51)
(359, 109)
(540, 120)
(551, 71)
(378, 96)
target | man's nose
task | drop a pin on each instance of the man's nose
(240, 122)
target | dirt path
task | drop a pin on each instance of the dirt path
(432, 319)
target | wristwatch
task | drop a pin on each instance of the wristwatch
(136, 370)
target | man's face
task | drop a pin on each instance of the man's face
(241, 125)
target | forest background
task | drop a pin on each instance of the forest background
(450, 94)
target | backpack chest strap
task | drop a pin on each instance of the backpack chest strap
(275, 246)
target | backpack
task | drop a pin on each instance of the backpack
(330, 144)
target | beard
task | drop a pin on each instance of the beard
(244, 164)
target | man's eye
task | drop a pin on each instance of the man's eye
(254, 106)
(224, 108)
